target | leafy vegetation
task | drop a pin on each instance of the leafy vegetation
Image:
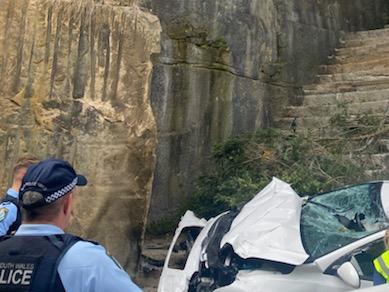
(244, 165)
(309, 161)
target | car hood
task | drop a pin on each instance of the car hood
(268, 227)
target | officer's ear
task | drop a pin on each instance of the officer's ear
(67, 205)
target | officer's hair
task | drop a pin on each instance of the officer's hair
(42, 213)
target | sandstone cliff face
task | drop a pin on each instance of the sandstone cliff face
(74, 83)
(226, 67)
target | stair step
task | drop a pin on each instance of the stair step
(368, 34)
(349, 97)
(355, 81)
(377, 108)
(368, 48)
(378, 55)
(356, 43)
(347, 86)
(365, 65)
(322, 124)
(378, 73)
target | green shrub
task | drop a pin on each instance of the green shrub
(244, 165)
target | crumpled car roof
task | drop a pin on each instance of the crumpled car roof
(268, 226)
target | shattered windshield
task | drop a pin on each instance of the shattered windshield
(332, 220)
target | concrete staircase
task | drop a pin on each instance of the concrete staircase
(355, 82)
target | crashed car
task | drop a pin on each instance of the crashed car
(280, 241)
(380, 288)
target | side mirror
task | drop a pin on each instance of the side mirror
(349, 275)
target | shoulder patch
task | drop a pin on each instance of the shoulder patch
(3, 213)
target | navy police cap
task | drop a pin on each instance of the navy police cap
(50, 179)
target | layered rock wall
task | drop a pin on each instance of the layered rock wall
(74, 83)
(226, 67)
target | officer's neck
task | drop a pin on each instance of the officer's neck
(62, 215)
(55, 221)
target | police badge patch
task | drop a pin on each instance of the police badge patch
(3, 213)
(17, 274)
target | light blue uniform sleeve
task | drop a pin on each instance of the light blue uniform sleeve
(86, 267)
(8, 215)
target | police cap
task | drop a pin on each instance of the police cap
(51, 179)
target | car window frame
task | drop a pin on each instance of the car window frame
(327, 260)
(184, 231)
(347, 257)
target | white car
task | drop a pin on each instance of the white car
(380, 288)
(281, 242)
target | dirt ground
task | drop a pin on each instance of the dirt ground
(153, 255)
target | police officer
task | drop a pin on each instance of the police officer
(381, 264)
(41, 257)
(10, 215)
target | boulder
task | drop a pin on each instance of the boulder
(74, 84)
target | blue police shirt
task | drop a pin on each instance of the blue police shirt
(8, 213)
(85, 266)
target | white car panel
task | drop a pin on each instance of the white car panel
(268, 227)
(301, 280)
(190, 220)
(175, 280)
(379, 288)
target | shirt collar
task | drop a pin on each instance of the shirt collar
(13, 193)
(38, 229)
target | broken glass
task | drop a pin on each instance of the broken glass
(332, 220)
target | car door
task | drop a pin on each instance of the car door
(362, 259)
(320, 275)
(179, 265)
(306, 278)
